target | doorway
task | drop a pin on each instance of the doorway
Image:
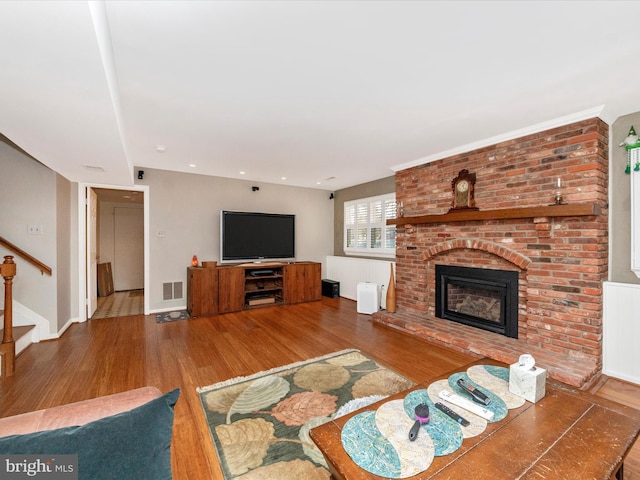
(120, 234)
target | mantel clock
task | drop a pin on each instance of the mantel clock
(463, 187)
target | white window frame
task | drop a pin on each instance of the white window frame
(368, 250)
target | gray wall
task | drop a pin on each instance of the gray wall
(364, 190)
(620, 203)
(29, 196)
(185, 221)
(66, 253)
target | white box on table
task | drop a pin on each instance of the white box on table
(529, 384)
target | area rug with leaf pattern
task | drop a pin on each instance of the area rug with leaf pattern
(260, 424)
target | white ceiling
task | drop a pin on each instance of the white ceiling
(337, 92)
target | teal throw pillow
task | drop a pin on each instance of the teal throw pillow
(130, 445)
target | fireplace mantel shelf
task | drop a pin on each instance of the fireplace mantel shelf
(564, 210)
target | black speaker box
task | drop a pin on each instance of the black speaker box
(330, 288)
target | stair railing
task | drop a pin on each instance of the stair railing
(21, 253)
(8, 345)
(8, 271)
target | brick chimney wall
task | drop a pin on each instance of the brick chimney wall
(562, 261)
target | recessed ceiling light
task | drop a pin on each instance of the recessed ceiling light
(192, 165)
(242, 173)
(318, 183)
(94, 168)
(161, 148)
(283, 178)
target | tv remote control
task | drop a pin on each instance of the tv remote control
(453, 415)
(477, 395)
(466, 404)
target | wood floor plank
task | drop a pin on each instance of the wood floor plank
(111, 355)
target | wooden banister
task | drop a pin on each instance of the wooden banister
(8, 345)
(24, 255)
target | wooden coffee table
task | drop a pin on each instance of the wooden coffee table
(569, 434)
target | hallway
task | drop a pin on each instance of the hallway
(120, 304)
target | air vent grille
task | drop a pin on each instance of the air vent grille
(177, 289)
(172, 291)
(167, 291)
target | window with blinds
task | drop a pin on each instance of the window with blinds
(365, 226)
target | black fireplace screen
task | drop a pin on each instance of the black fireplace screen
(479, 297)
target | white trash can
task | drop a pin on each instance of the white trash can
(368, 297)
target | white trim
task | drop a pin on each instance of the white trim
(168, 309)
(634, 188)
(353, 252)
(540, 127)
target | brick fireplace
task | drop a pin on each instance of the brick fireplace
(561, 260)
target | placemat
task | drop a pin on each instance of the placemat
(378, 441)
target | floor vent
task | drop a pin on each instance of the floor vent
(171, 290)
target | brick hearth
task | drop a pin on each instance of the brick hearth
(579, 372)
(561, 261)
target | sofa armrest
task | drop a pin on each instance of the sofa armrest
(78, 413)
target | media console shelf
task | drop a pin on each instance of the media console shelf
(263, 286)
(231, 288)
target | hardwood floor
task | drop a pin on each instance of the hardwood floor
(115, 354)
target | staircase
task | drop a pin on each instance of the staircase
(21, 335)
(14, 338)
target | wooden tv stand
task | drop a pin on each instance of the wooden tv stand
(231, 288)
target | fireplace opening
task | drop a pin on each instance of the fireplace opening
(478, 297)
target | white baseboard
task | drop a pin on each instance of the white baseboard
(169, 309)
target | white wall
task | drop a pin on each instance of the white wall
(350, 271)
(109, 236)
(184, 221)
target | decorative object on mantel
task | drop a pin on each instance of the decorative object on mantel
(391, 293)
(558, 192)
(194, 261)
(463, 187)
(632, 142)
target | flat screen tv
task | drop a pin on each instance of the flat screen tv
(255, 237)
